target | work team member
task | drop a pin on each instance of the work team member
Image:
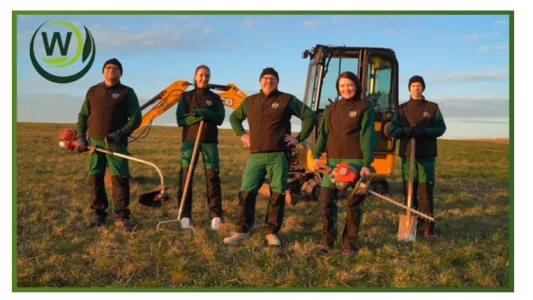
(196, 105)
(347, 133)
(268, 113)
(422, 120)
(109, 115)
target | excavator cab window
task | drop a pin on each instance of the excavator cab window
(379, 83)
(336, 66)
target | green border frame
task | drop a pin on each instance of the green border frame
(509, 13)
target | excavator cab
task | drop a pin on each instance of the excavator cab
(377, 69)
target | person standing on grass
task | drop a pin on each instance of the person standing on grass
(109, 115)
(194, 106)
(422, 120)
(268, 113)
(347, 133)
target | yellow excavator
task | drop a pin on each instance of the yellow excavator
(377, 68)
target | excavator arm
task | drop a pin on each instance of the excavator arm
(231, 95)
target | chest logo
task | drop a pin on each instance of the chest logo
(353, 113)
(115, 95)
(209, 102)
(426, 114)
(275, 105)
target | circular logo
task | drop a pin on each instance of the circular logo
(426, 114)
(343, 171)
(208, 102)
(69, 53)
(275, 105)
(353, 113)
(115, 95)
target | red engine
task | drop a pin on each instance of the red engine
(344, 176)
(67, 139)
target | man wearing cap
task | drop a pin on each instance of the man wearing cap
(422, 120)
(268, 113)
(108, 116)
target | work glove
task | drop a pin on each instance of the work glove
(82, 144)
(113, 138)
(190, 120)
(407, 131)
(205, 113)
(417, 132)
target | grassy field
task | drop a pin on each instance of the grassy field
(55, 249)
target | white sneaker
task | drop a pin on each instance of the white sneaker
(215, 224)
(185, 223)
(273, 240)
(236, 238)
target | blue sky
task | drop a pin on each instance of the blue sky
(464, 59)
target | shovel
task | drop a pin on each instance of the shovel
(407, 227)
(189, 175)
(154, 198)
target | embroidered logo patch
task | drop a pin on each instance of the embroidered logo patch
(115, 95)
(275, 105)
(353, 113)
(208, 102)
(426, 114)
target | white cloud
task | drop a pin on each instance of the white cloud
(338, 19)
(472, 99)
(488, 75)
(310, 24)
(163, 36)
(478, 36)
(488, 48)
(248, 23)
(473, 107)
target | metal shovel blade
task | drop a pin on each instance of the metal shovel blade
(407, 229)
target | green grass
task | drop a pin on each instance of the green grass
(54, 249)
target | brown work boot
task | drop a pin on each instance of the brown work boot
(97, 221)
(124, 224)
(324, 249)
(349, 253)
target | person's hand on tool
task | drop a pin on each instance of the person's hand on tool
(245, 139)
(82, 144)
(205, 113)
(407, 131)
(291, 141)
(114, 138)
(364, 171)
(317, 164)
(199, 112)
(417, 132)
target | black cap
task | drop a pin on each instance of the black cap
(269, 71)
(113, 61)
(414, 79)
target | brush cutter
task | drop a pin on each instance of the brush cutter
(345, 176)
(155, 198)
(189, 177)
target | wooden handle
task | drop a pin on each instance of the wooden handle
(191, 167)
